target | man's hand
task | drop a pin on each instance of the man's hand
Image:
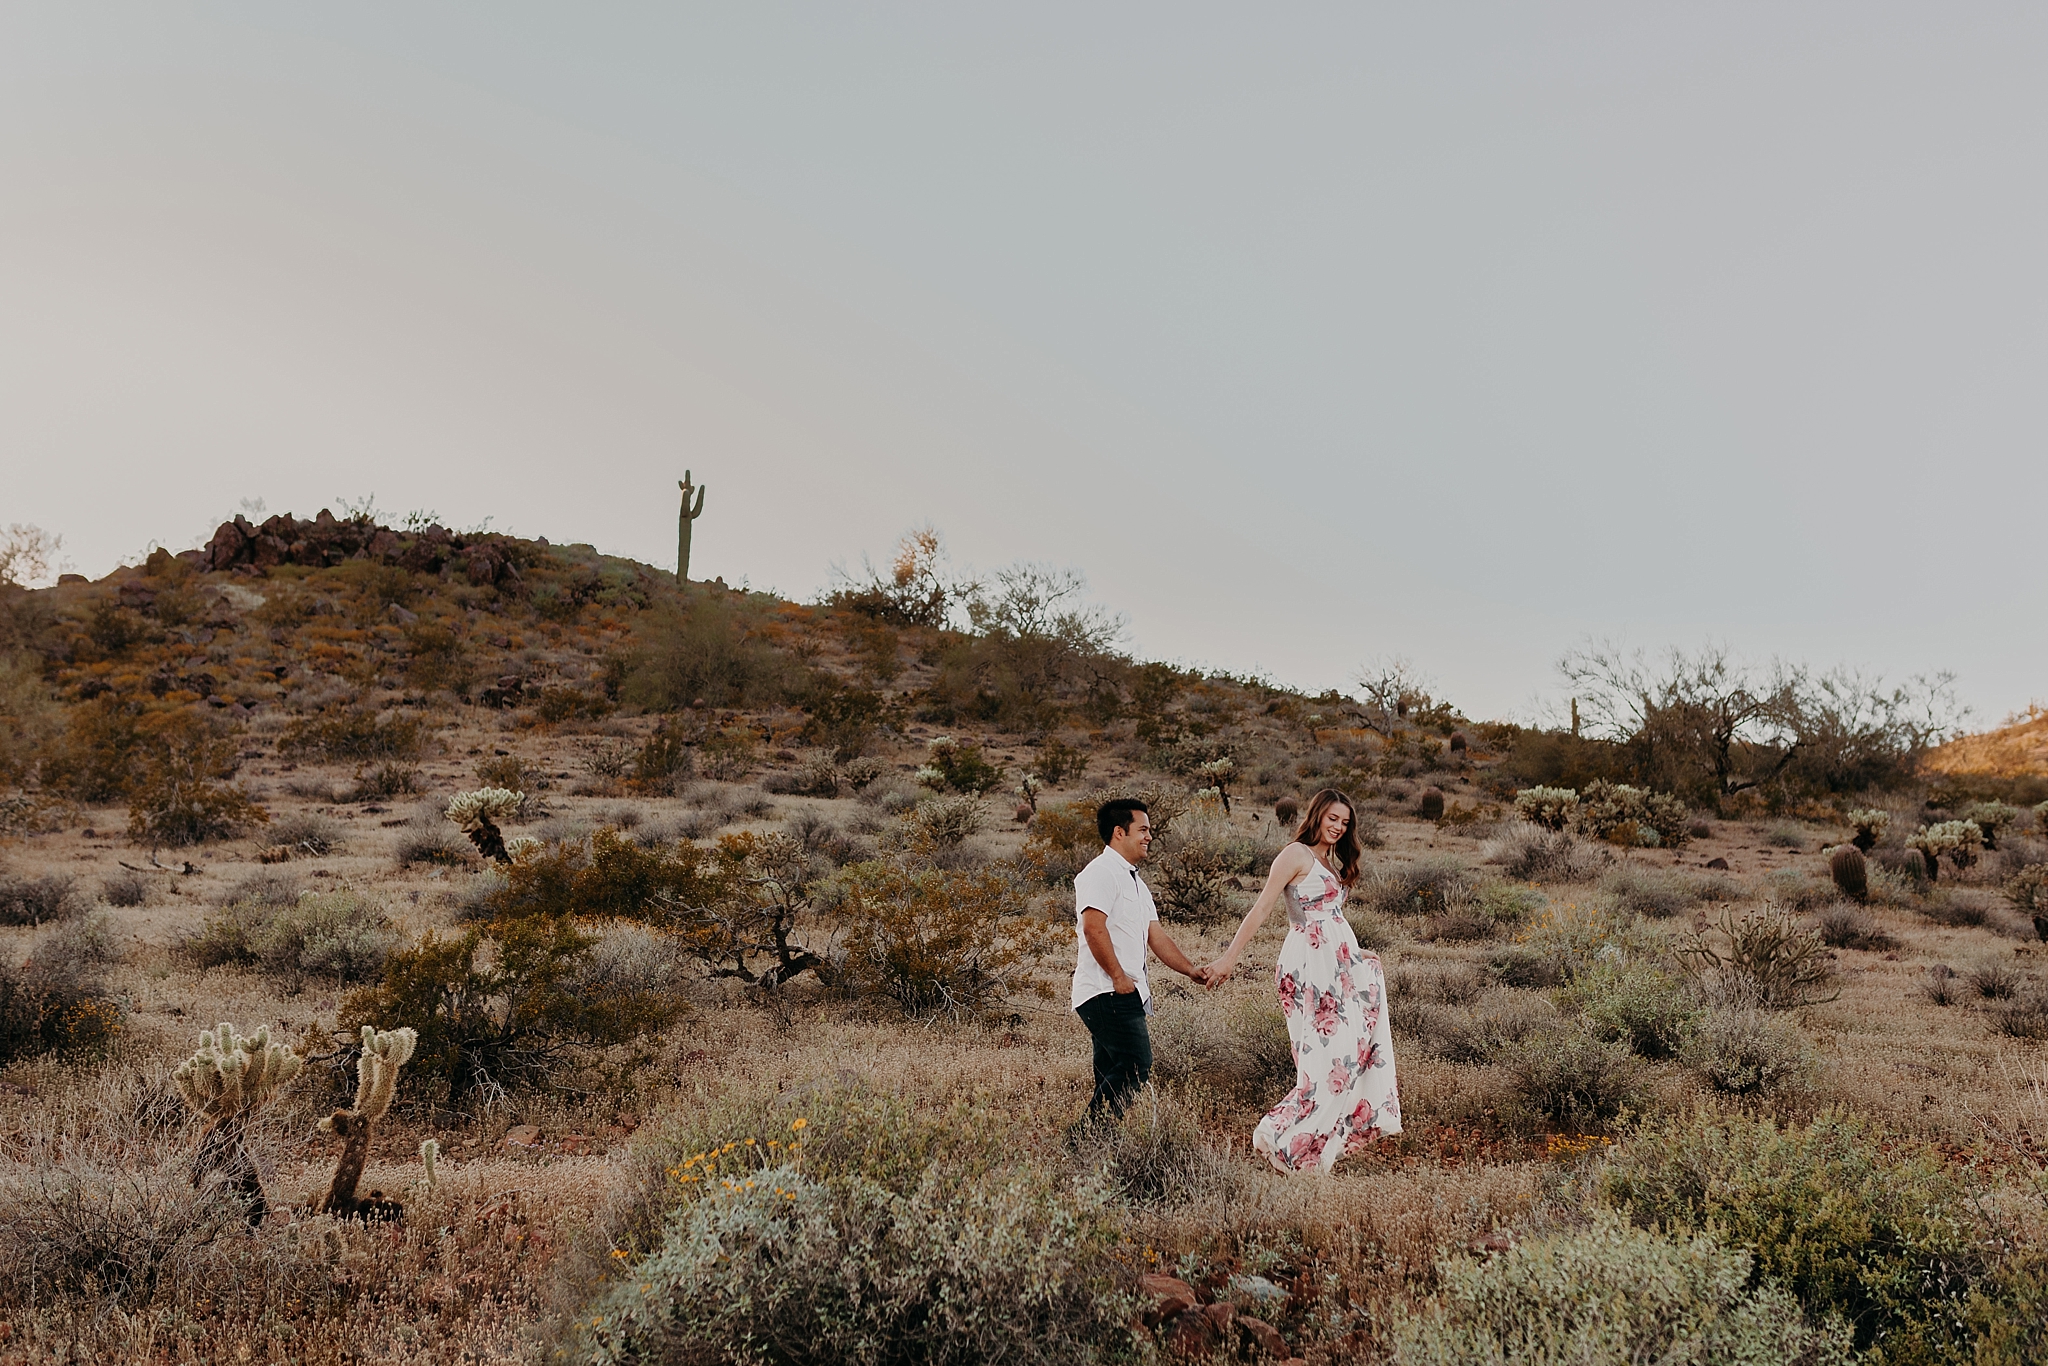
(1123, 983)
(1215, 974)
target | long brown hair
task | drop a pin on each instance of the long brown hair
(1347, 848)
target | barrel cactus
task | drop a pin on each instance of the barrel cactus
(1846, 865)
(1432, 804)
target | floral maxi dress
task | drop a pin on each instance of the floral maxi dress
(1334, 996)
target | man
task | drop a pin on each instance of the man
(1116, 922)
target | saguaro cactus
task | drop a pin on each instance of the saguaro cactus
(689, 515)
(384, 1053)
(477, 815)
(226, 1082)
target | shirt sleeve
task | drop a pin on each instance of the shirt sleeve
(1092, 888)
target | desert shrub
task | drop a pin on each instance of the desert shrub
(429, 839)
(1764, 958)
(1490, 1032)
(958, 767)
(1576, 1079)
(932, 941)
(1655, 892)
(1842, 926)
(1552, 808)
(507, 771)
(1644, 1007)
(559, 702)
(1796, 891)
(821, 837)
(35, 900)
(1157, 1154)
(55, 1000)
(730, 754)
(1995, 979)
(711, 651)
(177, 781)
(1879, 1233)
(307, 833)
(815, 777)
(665, 759)
(860, 773)
(1941, 984)
(1506, 904)
(1610, 1296)
(1451, 984)
(1058, 761)
(1746, 1052)
(1240, 1050)
(865, 1234)
(1425, 887)
(1531, 853)
(338, 934)
(841, 719)
(1524, 965)
(343, 733)
(1957, 908)
(1572, 938)
(125, 888)
(1785, 835)
(948, 822)
(517, 1014)
(1060, 842)
(1373, 932)
(2023, 1017)
(1621, 814)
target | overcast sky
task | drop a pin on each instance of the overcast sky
(1311, 334)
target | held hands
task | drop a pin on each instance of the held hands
(1210, 976)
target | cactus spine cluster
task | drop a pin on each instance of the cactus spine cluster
(477, 815)
(384, 1053)
(689, 515)
(226, 1082)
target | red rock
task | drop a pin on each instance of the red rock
(1191, 1332)
(524, 1136)
(1168, 1297)
(1263, 1335)
(1221, 1315)
(576, 1144)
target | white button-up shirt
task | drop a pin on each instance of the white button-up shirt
(1111, 885)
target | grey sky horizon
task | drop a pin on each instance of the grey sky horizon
(1312, 335)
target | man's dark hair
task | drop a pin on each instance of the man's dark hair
(1111, 817)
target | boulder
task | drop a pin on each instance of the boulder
(1165, 1296)
(1263, 1336)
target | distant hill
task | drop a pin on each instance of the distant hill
(2018, 750)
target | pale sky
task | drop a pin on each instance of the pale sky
(1311, 334)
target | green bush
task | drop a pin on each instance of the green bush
(1621, 814)
(1648, 1009)
(1658, 893)
(710, 651)
(55, 1000)
(1611, 1296)
(1745, 1052)
(1240, 1050)
(850, 1230)
(353, 733)
(1884, 1235)
(337, 934)
(933, 941)
(1575, 1079)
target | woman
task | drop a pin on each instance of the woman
(1334, 997)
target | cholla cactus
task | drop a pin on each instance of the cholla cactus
(430, 1153)
(1029, 789)
(1219, 772)
(1550, 807)
(1870, 825)
(384, 1053)
(1992, 818)
(230, 1076)
(1959, 841)
(226, 1082)
(932, 777)
(477, 815)
(2041, 817)
(523, 847)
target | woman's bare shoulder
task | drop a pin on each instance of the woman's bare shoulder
(1293, 861)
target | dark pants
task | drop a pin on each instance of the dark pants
(1123, 1050)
